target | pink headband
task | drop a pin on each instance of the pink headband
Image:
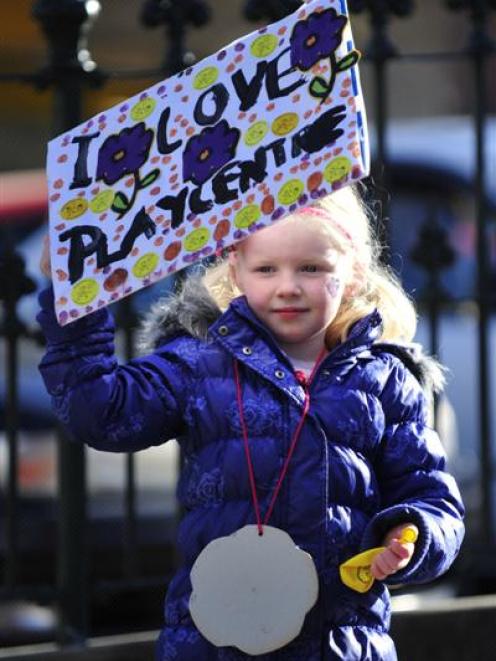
(311, 211)
(316, 211)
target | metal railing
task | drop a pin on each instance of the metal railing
(69, 75)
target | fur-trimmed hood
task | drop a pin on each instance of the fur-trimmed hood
(190, 311)
(193, 311)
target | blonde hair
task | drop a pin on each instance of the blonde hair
(345, 220)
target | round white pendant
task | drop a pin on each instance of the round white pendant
(252, 591)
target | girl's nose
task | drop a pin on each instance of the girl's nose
(288, 286)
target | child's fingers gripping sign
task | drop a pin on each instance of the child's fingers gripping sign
(397, 553)
(45, 266)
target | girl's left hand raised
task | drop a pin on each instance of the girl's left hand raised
(45, 267)
(396, 555)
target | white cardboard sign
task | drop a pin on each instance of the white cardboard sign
(195, 163)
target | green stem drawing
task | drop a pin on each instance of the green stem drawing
(322, 88)
(121, 203)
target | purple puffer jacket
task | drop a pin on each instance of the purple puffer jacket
(366, 459)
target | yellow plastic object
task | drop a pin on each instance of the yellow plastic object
(355, 572)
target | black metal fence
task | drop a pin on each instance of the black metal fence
(82, 583)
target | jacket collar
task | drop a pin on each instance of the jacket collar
(362, 334)
(249, 341)
(244, 336)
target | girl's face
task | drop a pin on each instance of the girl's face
(293, 279)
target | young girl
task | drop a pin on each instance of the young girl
(285, 377)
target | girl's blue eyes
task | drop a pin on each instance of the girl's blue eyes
(307, 268)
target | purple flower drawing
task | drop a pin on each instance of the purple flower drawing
(316, 38)
(124, 153)
(208, 151)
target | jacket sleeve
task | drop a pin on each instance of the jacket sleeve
(414, 484)
(105, 405)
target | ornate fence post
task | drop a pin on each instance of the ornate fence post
(175, 15)
(14, 284)
(65, 24)
(379, 51)
(481, 47)
(269, 10)
(433, 252)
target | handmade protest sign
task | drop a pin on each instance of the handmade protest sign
(197, 162)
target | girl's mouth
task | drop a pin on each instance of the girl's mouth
(289, 313)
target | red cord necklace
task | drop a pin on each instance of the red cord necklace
(249, 590)
(306, 405)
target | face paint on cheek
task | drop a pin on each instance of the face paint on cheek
(333, 285)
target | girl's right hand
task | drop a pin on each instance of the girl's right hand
(45, 258)
(397, 553)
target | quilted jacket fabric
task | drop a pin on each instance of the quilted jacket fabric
(366, 459)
